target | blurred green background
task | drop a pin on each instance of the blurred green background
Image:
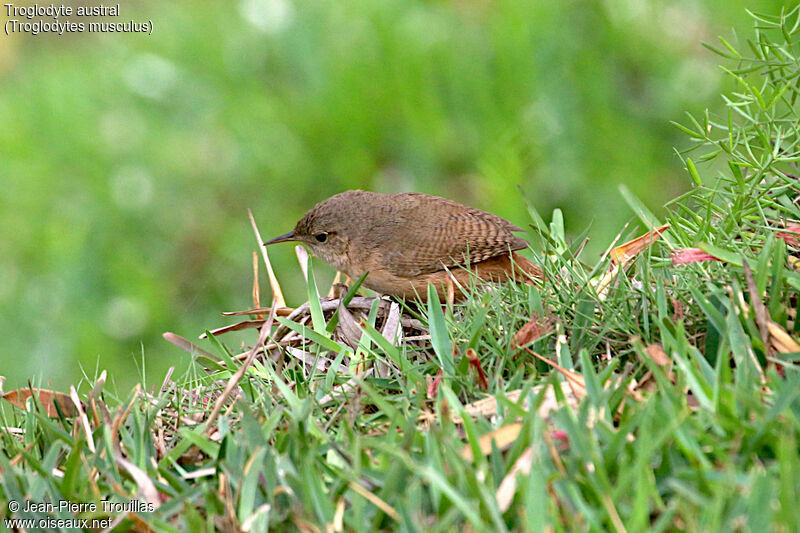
(127, 162)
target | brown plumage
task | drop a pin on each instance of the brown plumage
(408, 240)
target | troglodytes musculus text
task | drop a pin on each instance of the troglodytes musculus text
(408, 240)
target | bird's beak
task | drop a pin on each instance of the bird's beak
(283, 238)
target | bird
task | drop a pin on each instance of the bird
(406, 241)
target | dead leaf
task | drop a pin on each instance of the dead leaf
(624, 253)
(791, 236)
(433, 385)
(393, 332)
(475, 362)
(48, 399)
(687, 256)
(534, 329)
(347, 328)
(657, 354)
(781, 340)
(647, 382)
(277, 293)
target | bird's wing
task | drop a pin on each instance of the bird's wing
(450, 235)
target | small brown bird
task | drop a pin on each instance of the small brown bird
(408, 240)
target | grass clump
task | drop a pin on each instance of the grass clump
(657, 390)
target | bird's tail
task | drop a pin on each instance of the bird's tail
(530, 271)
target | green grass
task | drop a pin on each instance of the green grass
(128, 163)
(687, 419)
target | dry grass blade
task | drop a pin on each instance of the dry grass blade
(779, 338)
(200, 472)
(87, 429)
(277, 293)
(376, 501)
(487, 407)
(361, 303)
(261, 510)
(450, 295)
(281, 311)
(256, 286)
(501, 437)
(508, 487)
(234, 379)
(147, 489)
(335, 284)
(228, 521)
(94, 397)
(322, 364)
(188, 346)
(762, 316)
(745, 307)
(396, 327)
(119, 419)
(302, 258)
(99, 384)
(245, 324)
(574, 379)
(338, 517)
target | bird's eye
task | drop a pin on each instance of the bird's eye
(321, 237)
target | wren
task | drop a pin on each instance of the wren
(407, 240)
